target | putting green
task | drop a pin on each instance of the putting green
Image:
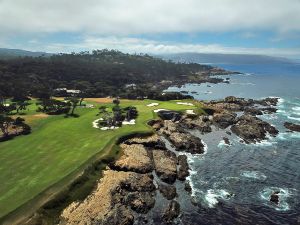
(57, 146)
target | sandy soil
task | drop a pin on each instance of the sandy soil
(99, 100)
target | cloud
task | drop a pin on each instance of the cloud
(111, 17)
(141, 45)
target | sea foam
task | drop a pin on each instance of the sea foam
(284, 194)
(253, 175)
(213, 196)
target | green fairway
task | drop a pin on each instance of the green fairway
(56, 147)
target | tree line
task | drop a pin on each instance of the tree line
(99, 73)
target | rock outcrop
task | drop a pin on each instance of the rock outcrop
(183, 168)
(224, 119)
(169, 115)
(168, 191)
(153, 141)
(292, 126)
(171, 212)
(182, 140)
(201, 123)
(275, 197)
(110, 211)
(134, 158)
(165, 163)
(252, 129)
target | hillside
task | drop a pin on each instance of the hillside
(97, 74)
(6, 53)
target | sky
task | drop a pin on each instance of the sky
(269, 27)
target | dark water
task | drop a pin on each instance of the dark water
(232, 184)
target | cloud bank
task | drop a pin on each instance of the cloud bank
(141, 45)
(120, 17)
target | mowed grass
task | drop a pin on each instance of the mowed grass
(57, 146)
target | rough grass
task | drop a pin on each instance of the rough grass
(58, 146)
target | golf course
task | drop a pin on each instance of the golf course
(60, 145)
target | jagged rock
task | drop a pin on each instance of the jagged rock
(269, 110)
(141, 182)
(134, 158)
(292, 126)
(224, 119)
(109, 211)
(168, 191)
(231, 99)
(232, 103)
(171, 212)
(153, 141)
(275, 197)
(253, 111)
(226, 141)
(169, 115)
(140, 202)
(268, 101)
(187, 187)
(156, 124)
(183, 169)
(182, 140)
(252, 129)
(119, 215)
(187, 142)
(165, 165)
(228, 106)
(202, 124)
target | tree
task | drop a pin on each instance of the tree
(131, 113)
(19, 122)
(73, 101)
(21, 105)
(53, 106)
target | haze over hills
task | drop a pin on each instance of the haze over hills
(6, 53)
(216, 58)
(205, 58)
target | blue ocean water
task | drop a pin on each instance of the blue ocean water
(232, 184)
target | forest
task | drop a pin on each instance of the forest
(99, 73)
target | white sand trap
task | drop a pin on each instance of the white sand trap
(152, 104)
(190, 112)
(130, 122)
(109, 128)
(185, 103)
(90, 106)
(95, 123)
(158, 110)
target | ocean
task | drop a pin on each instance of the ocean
(232, 184)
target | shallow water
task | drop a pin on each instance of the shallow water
(232, 184)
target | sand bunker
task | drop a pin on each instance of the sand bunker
(109, 128)
(158, 110)
(190, 112)
(152, 104)
(185, 103)
(130, 122)
(95, 123)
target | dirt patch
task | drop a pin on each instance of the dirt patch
(30, 118)
(99, 100)
(40, 115)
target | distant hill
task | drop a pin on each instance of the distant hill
(6, 53)
(215, 58)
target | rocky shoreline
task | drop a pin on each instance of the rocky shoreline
(147, 168)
